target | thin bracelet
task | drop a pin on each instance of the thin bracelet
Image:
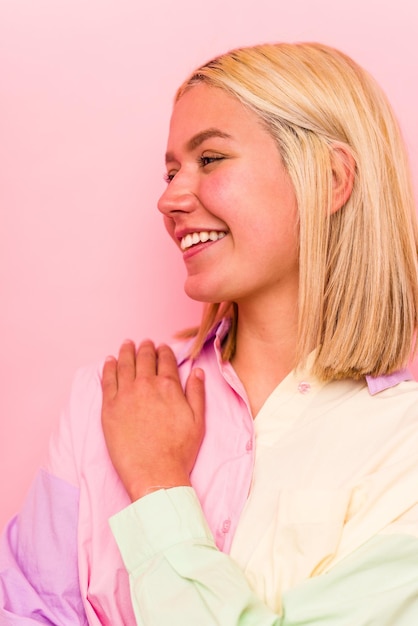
(158, 487)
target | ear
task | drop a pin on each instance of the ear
(343, 173)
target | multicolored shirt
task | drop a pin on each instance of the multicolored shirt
(305, 515)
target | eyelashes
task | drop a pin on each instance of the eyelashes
(202, 161)
(168, 178)
(207, 160)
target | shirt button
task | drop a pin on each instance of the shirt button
(249, 445)
(304, 387)
(226, 526)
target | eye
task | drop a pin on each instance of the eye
(168, 177)
(207, 160)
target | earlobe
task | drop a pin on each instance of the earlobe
(343, 173)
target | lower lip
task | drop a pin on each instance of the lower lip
(199, 247)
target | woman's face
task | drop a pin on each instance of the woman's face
(229, 204)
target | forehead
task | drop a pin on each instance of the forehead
(203, 106)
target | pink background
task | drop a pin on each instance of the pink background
(86, 90)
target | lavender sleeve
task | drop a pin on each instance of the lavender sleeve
(38, 558)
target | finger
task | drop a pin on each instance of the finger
(126, 363)
(167, 363)
(195, 394)
(109, 378)
(146, 359)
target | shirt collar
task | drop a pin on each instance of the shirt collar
(375, 384)
(219, 331)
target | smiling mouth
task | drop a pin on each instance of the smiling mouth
(192, 239)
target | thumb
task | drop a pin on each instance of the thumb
(195, 393)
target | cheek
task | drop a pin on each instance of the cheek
(216, 191)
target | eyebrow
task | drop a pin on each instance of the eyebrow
(198, 139)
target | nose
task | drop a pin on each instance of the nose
(177, 198)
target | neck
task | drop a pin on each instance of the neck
(265, 347)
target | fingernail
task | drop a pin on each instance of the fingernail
(199, 373)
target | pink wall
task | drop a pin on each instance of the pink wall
(86, 89)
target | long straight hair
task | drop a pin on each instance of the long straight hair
(358, 291)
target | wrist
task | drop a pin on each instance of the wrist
(153, 488)
(140, 491)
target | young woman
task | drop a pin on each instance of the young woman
(272, 459)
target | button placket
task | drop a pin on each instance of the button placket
(226, 525)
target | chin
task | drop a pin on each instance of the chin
(202, 293)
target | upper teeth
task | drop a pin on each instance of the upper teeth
(205, 235)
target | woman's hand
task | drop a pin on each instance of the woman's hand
(153, 429)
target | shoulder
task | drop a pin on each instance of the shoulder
(399, 401)
(78, 425)
(393, 399)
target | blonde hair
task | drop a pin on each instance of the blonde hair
(358, 293)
